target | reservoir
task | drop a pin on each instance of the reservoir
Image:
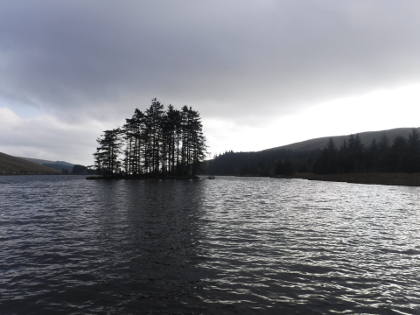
(224, 246)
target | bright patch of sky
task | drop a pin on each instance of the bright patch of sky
(377, 110)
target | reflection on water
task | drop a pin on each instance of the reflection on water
(228, 245)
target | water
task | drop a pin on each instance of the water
(224, 246)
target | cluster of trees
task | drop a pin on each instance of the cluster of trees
(154, 142)
(81, 170)
(403, 155)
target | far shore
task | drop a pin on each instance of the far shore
(399, 179)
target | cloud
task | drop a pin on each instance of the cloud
(47, 137)
(244, 63)
(99, 57)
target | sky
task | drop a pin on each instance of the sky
(261, 73)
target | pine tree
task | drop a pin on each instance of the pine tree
(107, 154)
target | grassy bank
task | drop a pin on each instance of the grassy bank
(404, 179)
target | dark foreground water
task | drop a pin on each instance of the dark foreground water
(230, 245)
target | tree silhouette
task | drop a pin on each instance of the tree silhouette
(106, 156)
(153, 143)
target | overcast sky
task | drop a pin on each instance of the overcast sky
(262, 73)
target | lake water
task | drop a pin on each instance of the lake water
(224, 246)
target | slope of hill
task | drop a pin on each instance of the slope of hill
(10, 165)
(61, 166)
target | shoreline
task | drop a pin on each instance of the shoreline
(395, 179)
(144, 177)
(389, 179)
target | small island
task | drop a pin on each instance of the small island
(155, 143)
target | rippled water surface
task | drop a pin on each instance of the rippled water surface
(230, 245)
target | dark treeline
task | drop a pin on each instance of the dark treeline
(402, 155)
(263, 163)
(154, 142)
(381, 155)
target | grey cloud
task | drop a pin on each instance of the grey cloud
(98, 58)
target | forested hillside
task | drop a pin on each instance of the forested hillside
(366, 139)
(395, 150)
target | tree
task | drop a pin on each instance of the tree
(107, 153)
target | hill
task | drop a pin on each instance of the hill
(366, 139)
(10, 165)
(305, 156)
(61, 166)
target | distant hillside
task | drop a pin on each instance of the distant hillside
(365, 137)
(10, 165)
(63, 167)
(303, 156)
